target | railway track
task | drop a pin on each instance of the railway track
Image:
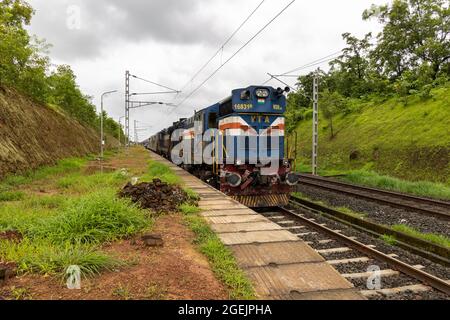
(437, 208)
(351, 257)
(426, 249)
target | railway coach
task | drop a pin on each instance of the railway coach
(246, 133)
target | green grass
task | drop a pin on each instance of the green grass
(21, 294)
(122, 292)
(43, 257)
(69, 235)
(431, 237)
(420, 188)
(352, 213)
(68, 228)
(193, 196)
(389, 240)
(93, 219)
(188, 209)
(345, 210)
(161, 171)
(6, 196)
(409, 141)
(222, 260)
(78, 183)
(62, 167)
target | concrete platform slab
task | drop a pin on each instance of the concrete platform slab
(232, 239)
(223, 202)
(279, 264)
(236, 219)
(210, 196)
(210, 207)
(232, 212)
(296, 278)
(260, 255)
(245, 227)
(345, 294)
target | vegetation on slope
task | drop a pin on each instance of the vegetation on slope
(409, 141)
(67, 228)
(25, 66)
(385, 104)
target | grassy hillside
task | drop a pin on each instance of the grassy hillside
(34, 135)
(405, 138)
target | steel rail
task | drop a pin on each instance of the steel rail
(426, 249)
(320, 182)
(424, 277)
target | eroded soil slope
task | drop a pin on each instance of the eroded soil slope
(32, 135)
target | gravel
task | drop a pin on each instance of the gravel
(403, 255)
(359, 267)
(387, 282)
(409, 295)
(379, 213)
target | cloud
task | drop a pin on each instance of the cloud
(167, 41)
(103, 22)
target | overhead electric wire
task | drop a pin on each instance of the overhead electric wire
(236, 53)
(154, 83)
(223, 45)
(317, 62)
(313, 63)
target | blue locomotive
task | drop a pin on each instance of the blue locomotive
(236, 145)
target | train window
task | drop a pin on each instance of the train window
(212, 120)
(226, 108)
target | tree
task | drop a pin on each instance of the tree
(415, 32)
(331, 103)
(14, 39)
(349, 73)
(65, 93)
(23, 63)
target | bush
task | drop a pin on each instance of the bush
(93, 219)
(46, 258)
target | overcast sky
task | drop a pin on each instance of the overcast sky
(167, 41)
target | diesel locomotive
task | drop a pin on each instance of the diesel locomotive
(236, 145)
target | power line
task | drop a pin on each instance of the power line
(314, 63)
(153, 93)
(317, 62)
(156, 84)
(223, 45)
(237, 52)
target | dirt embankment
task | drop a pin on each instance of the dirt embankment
(33, 135)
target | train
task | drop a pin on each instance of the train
(236, 145)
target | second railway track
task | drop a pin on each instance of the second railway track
(347, 254)
(436, 208)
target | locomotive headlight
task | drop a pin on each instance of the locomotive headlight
(262, 93)
(234, 179)
(292, 179)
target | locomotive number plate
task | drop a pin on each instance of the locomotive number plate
(243, 106)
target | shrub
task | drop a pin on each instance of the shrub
(95, 218)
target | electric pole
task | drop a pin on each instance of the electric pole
(127, 108)
(315, 147)
(132, 104)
